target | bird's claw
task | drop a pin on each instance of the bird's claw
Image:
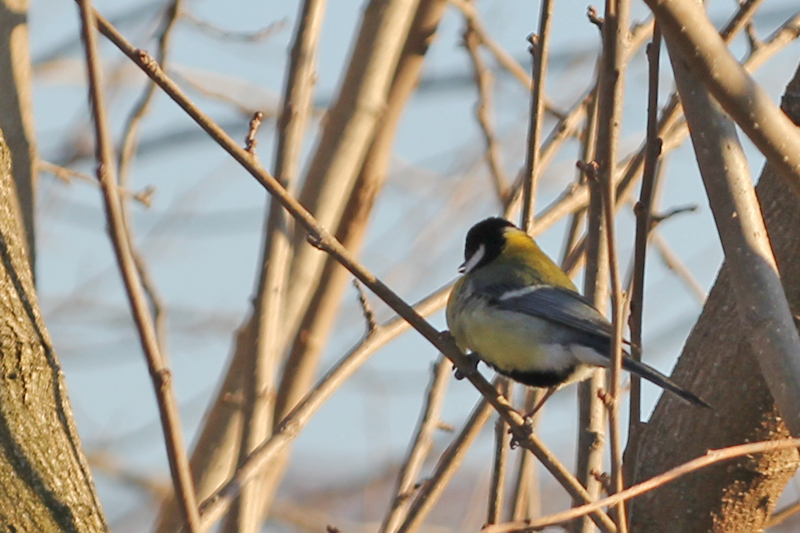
(470, 369)
(520, 433)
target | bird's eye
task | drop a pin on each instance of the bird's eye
(473, 260)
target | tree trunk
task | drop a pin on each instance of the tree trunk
(16, 112)
(718, 362)
(46, 483)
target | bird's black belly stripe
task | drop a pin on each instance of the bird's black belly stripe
(541, 379)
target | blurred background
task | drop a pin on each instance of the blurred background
(199, 220)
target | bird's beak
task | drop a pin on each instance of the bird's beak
(463, 267)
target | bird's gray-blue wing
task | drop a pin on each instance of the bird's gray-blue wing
(556, 304)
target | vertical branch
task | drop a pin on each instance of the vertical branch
(526, 495)
(160, 374)
(616, 37)
(617, 318)
(591, 413)
(319, 316)
(500, 464)
(127, 150)
(257, 340)
(269, 308)
(484, 82)
(446, 467)
(643, 210)
(419, 450)
(540, 48)
(128, 146)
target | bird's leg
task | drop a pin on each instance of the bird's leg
(550, 391)
(473, 359)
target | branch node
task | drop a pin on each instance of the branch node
(315, 241)
(590, 169)
(250, 141)
(366, 308)
(604, 479)
(146, 59)
(162, 378)
(594, 17)
(534, 41)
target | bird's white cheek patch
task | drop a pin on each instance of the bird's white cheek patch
(473, 261)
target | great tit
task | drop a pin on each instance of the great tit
(522, 315)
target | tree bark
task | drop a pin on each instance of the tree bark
(16, 111)
(46, 481)
(718, 362)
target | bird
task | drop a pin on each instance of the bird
(517, 311)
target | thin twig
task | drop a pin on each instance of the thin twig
(540, 49)
(128, 146)
(483, 112)
(243, 36)
(446, 467)
(643, 210)
(366, 309)
(144, 197)
(497, 485)
(160, 374)
(610, 99)
(674, 263)
(250, 141)
(126, 153)
(422, 442)
(526, 494)
(470, 13)
(591, 411)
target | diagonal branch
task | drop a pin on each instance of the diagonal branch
(687, 26)
(740, 223)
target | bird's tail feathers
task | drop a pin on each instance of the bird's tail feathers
(654, 376)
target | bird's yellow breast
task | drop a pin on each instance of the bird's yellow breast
(509, 341)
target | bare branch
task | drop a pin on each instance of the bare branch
(643, 213)
(160, 374)
(686, 25)
(144, 197)
(420, 448)
(446, 467)
(762, 302)
(484, 82)
(366, 309)
(540, 49)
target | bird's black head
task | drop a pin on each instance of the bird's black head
(485, 241)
